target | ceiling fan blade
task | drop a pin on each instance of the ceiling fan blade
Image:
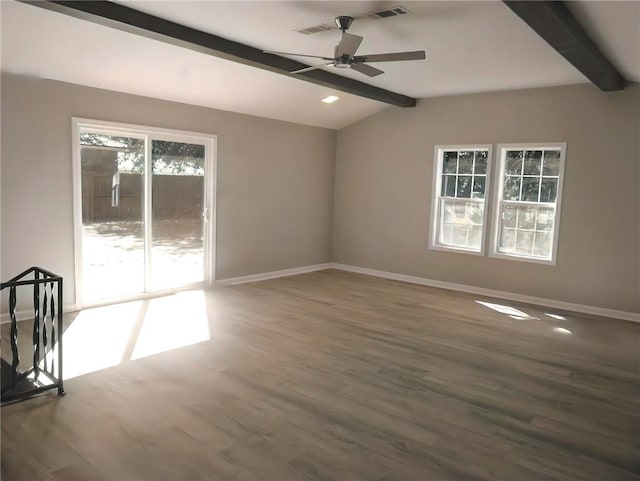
(296, 54)
(392, 57)
(366, 69)
(348, 45)
(315, 67)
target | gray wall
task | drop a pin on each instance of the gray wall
(383, 190)
(276, 203)
(274, 192)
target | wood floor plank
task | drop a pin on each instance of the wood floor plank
(340, 376)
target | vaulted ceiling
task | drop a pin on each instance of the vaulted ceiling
(471, 47)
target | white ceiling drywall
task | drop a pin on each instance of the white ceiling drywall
(471, 47)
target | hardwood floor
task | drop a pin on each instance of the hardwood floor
(339, 376)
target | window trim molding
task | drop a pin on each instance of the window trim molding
(435, 196)
(498, 189)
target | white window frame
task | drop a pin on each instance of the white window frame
(147, 133)
(438, 156)
(501, 151)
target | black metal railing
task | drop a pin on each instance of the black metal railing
(42, 369)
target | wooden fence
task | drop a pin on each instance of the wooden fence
(105, 198)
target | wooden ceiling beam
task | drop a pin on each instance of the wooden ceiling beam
(134, 21)
(553, 21)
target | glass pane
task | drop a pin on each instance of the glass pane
(460, 233)
(551, 162)
(460, 220)
(460, 212)
(448, 186)
(475, 237)
(509, 216)
(112, 216)
(465, 163)
(524, 242)
(446, 234)
(448, 211)
(549, 189)
(545, 219)
(513, 164)
(475, 211)
(527, 218)
(542, 247)
(478, 186)
(530, 186)
(481, 162)
(450, 162)
(177, 244)
(532, 162)
(464, 186)
(511, 189)
(507, 240)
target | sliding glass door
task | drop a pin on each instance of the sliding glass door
(143, 210)
(177, 214)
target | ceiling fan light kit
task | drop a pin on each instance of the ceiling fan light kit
(344, 54)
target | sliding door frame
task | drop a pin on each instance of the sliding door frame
(148, 134)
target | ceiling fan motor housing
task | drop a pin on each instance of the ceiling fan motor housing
(344, 22)
(343, 61)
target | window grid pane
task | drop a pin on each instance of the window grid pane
(450, 163)
(479, 186)
(480, 162)
(551, 165)
(459, 177)
(461, 222)
(522, 167)
(526, 230)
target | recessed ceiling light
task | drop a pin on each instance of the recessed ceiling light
(330, 99)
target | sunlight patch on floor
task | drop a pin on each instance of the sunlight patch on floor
(508, 310)
(98, 338)
(172, 322)
(104, 337)
(562, 330)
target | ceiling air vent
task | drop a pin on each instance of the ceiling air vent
(391, 12)
(316, 28)
(322, 27)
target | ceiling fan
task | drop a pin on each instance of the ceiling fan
(344, 55)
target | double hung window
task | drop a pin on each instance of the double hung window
(461, 188)
(527, 210)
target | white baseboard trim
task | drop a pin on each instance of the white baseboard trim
(27, 315)
(232, 281)
(510, 296)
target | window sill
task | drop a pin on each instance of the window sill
(516, 257)
(455, 250)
